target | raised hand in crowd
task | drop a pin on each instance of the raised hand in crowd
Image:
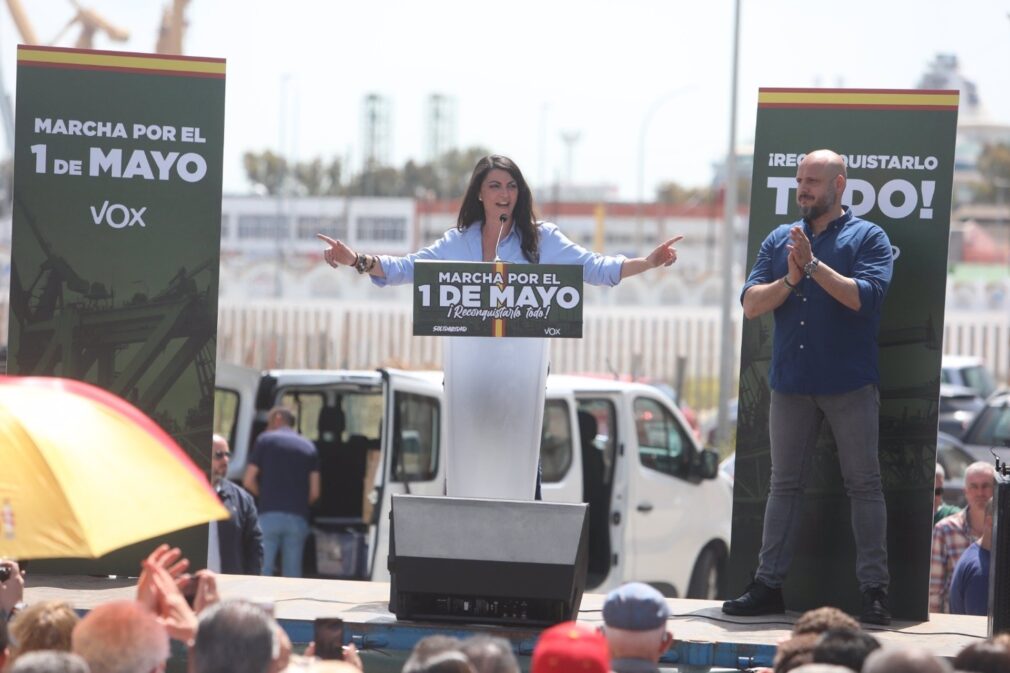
(12, 588)
(159, 589)
(351, 655)
(171, 560)
(173, 611)
(206, 590)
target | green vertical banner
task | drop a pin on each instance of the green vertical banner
(899, 149)
(116, 241)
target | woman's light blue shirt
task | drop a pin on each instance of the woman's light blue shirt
(465, 246)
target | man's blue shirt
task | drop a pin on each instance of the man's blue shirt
(969, 586)
(822, 347)
(285, 459)
(465, 246)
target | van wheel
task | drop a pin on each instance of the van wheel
(707, 576)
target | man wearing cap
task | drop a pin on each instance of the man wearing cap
(635, 616)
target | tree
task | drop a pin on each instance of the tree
(419, 179)
(994, 167)
(314, 178)
(454, 169)
(446, 177)
(675, 194)
(274, 173)
(377, 181)
(266, 169)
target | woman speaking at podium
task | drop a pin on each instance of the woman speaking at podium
(488, 379)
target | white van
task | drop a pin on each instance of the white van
(660, 510)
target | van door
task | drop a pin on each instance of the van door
(412, 460)
(660, 496)
(341, 414)
(599, 449)
(560, 460)
(234, 409)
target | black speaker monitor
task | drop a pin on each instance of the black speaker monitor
(488, 561)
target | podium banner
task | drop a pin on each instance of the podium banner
(899, 149)
(116, 240)
(498, 299)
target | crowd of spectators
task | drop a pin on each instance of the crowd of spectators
(959, 558)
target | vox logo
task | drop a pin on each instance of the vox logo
(118, 216)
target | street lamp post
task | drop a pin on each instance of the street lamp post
(726, 359)
(280, 237)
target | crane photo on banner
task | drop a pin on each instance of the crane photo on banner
(116, 237)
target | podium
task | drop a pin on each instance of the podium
(495, 387)
(486, 552)
(494, 398)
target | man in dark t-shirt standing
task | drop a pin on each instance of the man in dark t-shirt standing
(283, 472)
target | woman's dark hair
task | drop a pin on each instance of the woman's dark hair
(523, 216)
(982, 657)
(844, 647)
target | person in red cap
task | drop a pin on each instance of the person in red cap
(571, 647)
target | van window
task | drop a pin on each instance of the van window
(556, 441)
(662, 445)
(360, 412)
(415, 437)
(306, 406)
(605, 413)
(363, 412)
(225, 413)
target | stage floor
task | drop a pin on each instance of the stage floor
(704, 636)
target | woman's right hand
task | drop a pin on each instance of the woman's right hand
(338, 253)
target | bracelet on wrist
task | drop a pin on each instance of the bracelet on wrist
(792, 288)
(364, 263)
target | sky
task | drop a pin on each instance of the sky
(644, 84)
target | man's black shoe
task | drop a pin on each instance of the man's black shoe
(875, 608)
(757, 599)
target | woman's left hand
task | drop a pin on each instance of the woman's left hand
(664, 254)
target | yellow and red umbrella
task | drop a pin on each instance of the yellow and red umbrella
(83, 472)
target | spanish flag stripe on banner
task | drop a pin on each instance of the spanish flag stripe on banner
(120, 61)
(880, 99)
(498, 329)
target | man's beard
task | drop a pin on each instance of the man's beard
(820, 206)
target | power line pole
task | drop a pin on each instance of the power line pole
(726, 359)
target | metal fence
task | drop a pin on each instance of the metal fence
(645, 341)
(637, 341)
(651, 341)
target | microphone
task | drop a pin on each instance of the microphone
(503, 218)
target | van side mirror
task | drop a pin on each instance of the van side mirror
(708, 464)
